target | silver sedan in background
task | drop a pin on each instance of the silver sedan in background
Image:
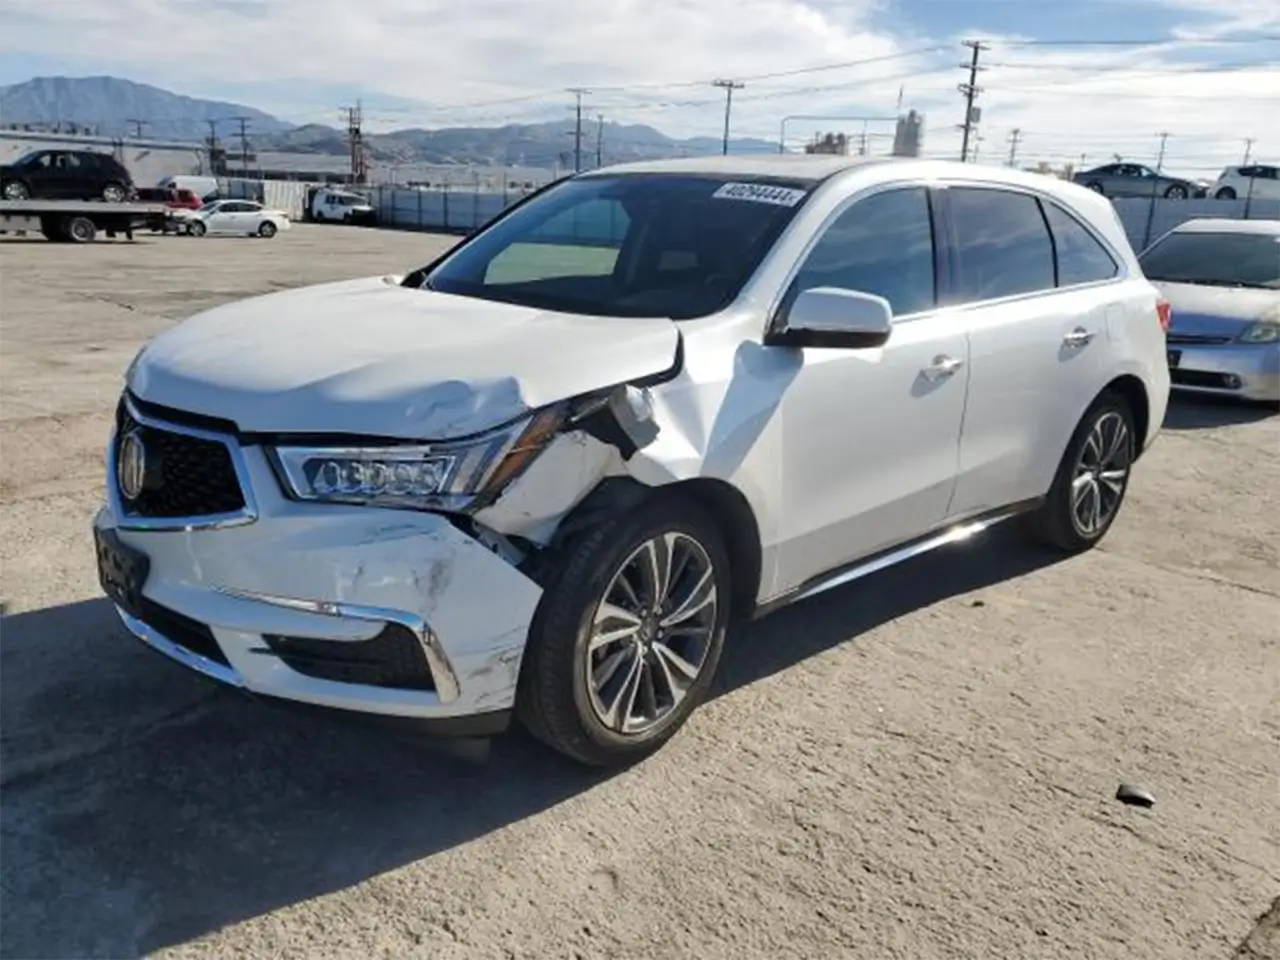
(1222, 280)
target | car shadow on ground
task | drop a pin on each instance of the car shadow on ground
(1206, 412)
(143, 808)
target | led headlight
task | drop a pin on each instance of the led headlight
(449, 476)
(1264, 331)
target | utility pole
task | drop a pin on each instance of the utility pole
(244, 145)
(578, 93)
(139, 124)
(1248, 151)
(862, 145)
(213, 146)
(1164, 139)
(970, 91)
(599, 140)
(1155, 184)
(1014, 137)
(355, 141)
(728, 86)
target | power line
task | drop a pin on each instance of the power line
(1161, 42)
(728, 86)
(970, 91)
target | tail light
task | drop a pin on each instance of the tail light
(1164, 311)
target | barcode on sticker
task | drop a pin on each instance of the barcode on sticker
(760, 193)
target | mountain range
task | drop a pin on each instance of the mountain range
(116, 107)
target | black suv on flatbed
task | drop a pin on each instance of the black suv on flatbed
(66, 175)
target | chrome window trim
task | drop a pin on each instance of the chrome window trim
(213, 521)
(442, 672)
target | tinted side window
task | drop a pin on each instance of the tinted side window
(1081, 258)
(1003, 245)
(881, 245)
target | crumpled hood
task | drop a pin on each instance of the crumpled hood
(1198, 309)
(373, 358)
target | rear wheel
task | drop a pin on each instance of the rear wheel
(114, 193)
(80, 229)
(1226, 193)
(1092, 478)
(16, 190)
(628, 635)
(266, 229)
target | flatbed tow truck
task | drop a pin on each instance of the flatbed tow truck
(80, 221)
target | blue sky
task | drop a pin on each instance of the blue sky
(446, 62)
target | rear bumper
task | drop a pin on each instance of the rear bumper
(1246, 371)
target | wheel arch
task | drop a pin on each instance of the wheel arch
(1134, 392)
(727, 505)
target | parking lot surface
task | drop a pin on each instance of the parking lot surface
(920, 765)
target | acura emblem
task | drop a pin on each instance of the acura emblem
(131, 468)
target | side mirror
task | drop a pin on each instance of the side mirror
(835, 317)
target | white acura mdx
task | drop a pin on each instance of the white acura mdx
(542, 475)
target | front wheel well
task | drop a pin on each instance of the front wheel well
(728, 507)
(737, 522)
(1135, 394)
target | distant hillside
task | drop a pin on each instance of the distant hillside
(110, 104)
(527, 144)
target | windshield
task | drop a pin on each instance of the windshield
(209, 206)
(1215, 259)
(638, 245)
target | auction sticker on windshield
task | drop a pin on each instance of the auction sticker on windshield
(760, 193)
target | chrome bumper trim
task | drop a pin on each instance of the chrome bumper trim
(442, 672)
(162, 644)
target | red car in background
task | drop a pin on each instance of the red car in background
(178, 198)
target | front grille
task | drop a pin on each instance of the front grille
(179, 629)
(394, 658)
(194, 476)
(1201, 378)
(1196, 338)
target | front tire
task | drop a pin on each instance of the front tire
(197, 228)
(114, 193)
(16, 190)
(628, 635)
(1176, 192)
(1095, 186)
(1092, 478)
(1226, 193)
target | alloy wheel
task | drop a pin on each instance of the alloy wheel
(1101, 474)
(15, 191)
(651, 633)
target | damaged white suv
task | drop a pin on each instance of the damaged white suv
(541, 475)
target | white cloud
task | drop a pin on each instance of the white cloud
(650, 61)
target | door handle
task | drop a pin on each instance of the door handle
(1078, 337)
(942, 367)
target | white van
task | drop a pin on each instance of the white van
(340, 206)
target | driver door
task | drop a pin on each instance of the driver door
(223, 218)
(870, 436)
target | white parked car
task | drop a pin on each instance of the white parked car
(1222, 280)
(245, 218)
(1260, 181)
(543, 475)
(340, 206)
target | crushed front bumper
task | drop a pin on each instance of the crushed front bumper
(1246, 371)
(387, 612)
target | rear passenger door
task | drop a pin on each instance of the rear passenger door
(1032, 283)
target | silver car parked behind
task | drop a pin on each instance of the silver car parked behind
(1222, 279)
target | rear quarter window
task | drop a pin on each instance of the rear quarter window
(1080, 257)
